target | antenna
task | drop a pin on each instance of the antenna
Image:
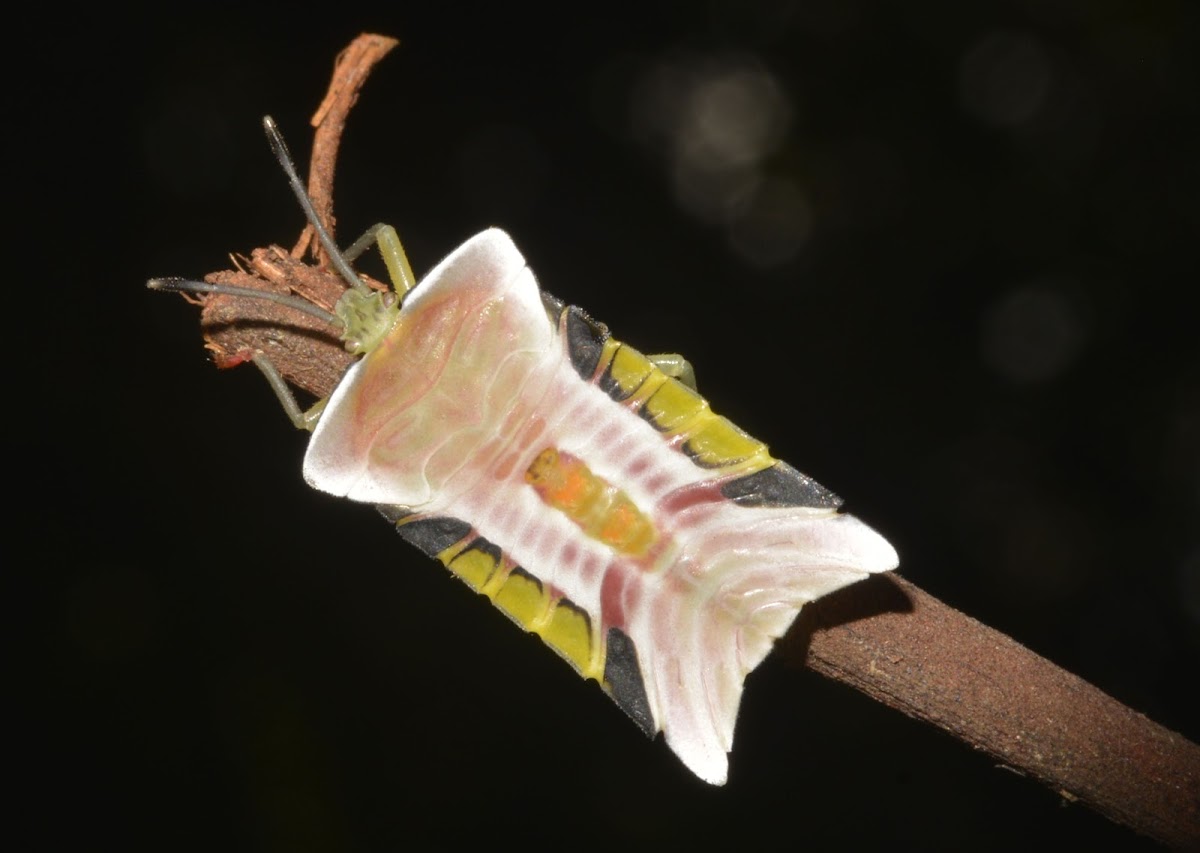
(280, 150)
(337, 258)
(185, 285)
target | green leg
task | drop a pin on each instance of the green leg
(300, 419)
(392, 251)
(675, 366)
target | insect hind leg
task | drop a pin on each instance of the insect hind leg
(300, 418)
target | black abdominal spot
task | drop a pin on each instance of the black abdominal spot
(585, 341)
(433, 535)
(780, 485)
(623, 677)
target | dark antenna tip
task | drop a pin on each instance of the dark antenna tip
(280, 150)
(275, 138)
(186, 285)
(168, 284)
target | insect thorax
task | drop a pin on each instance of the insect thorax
(367, 316)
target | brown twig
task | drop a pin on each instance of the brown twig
(884, 636)
(309, 355)
(903, 647)
(350, 72)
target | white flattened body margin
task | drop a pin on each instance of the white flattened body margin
(729, 581)
(410, 412)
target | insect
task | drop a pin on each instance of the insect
(594, 498)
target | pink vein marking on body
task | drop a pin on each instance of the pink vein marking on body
(620, 593)
(706, 493)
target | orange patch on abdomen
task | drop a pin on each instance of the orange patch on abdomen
(602, 511)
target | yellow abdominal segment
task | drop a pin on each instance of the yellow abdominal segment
(603, 511)
(677, 410)
(558, 621)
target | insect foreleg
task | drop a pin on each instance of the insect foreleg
(300, 419)
(675, 366)
(390, 247)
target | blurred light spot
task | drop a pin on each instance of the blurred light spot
(774, 226)
(1005, 78)
(734, 117)
(1032, 334)
(502, 167)
(715, 121)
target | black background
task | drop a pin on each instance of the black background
(972, 313)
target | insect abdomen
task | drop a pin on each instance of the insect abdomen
(655, 545)
(609, 657)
